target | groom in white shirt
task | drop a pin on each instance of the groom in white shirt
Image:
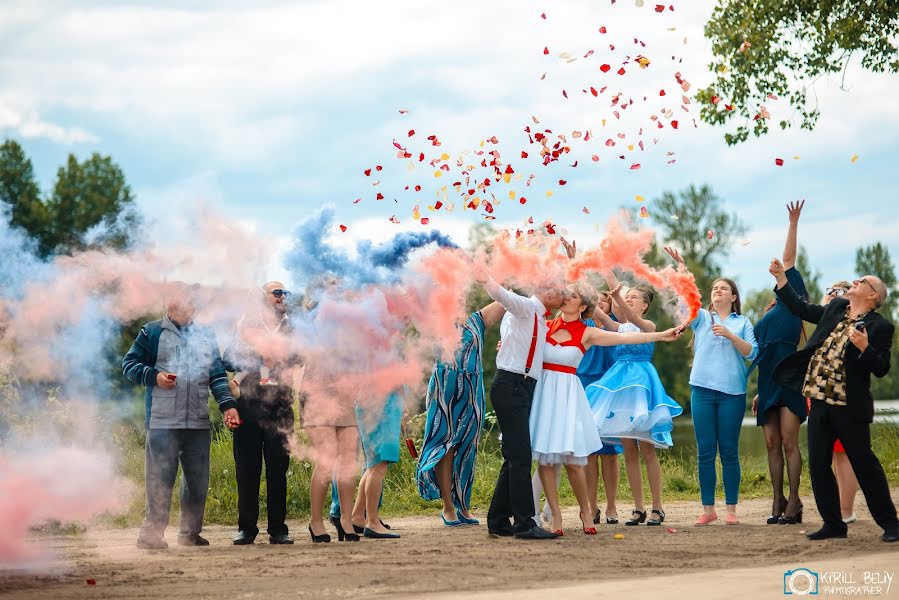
(519, 364)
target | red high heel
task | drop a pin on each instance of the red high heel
(587, 530)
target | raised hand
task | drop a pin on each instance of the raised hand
(669, 335)
(675, 255)
(794, 209)
(776, 269)
(617, 290)
(570, 247)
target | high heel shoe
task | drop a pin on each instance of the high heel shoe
(657, 521)
(587, 530)
(775, 519)
(792, 520)
(317, 539)
(342, 535)
(596, 517)
(641, 517)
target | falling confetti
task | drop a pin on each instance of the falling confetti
(643, 212)
(639, 198)
(854, 158)
(779, 162)
(710, 235)
(343, 228)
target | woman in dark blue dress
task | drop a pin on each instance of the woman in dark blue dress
(780, 411)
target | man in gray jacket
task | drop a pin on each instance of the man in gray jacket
(178, 363)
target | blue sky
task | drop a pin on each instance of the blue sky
(266, 111)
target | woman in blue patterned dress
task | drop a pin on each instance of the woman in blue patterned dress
(455, 418)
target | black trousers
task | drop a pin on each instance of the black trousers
(164, 449)
(255, 441)
(512, 394)
(826, 423)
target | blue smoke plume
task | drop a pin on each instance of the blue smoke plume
(311, 256)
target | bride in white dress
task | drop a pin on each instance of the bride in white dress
(561, 423)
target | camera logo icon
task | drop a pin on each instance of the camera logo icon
(801, 582)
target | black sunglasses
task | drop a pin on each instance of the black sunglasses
(279, 293)
(835, 291)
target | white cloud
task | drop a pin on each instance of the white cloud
(27, 123)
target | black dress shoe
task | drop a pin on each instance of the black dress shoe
(370, 533)
(826, 533)
(192, 540)
(501, 530)
(891, 536)
(536, 533)
(151, 543)
(281, 538)
(244, 538)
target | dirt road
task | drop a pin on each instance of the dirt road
(431, 560)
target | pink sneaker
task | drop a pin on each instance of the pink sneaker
(731, 519)
(705, 519)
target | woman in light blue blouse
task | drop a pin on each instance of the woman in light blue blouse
(724, 345)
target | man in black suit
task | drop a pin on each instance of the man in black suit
(850, 343)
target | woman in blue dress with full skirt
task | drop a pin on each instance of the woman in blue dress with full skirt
(455, 405)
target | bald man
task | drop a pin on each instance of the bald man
(850, 343)
(264, 400)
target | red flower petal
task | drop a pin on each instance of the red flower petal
(604, 68)
(542, 15)
(602, 29)
(367, 172)
(524, 154)
(610, 142)
(425, 220)
(564, 93)
(343, 228)
(562, 182)
(779, 162)
(417, 188)
(595, 158)
(380, 196)
(660, 8)
(635, 166)
(378, 167)
(522, 200)
(438, 205)
(545, 50)
(621, 71)
(594, 92)
(661, 92)
(674, 124)
(411, 132)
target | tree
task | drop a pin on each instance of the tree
(686, 219)
(91, 204)
(875, 260)
(91, 197)
(19, 189)
(781, 47)
(810, 276)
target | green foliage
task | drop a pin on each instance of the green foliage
(875, 260)
(791, 44)
(91, 203)
(810, 275)
(698, 211)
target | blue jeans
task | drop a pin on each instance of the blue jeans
(717, 420)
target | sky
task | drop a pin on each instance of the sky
(266, 111)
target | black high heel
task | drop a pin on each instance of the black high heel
(641, 519)
(342, 535)
(775, 519)
(318, 539)
(797, 518)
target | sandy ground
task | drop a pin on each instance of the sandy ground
(719, 561)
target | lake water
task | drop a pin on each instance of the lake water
(752, 439)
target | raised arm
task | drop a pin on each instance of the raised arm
(597, 337)
(492, 313)
(794, 209)
(518, 306)
(799, 307)
(628, 313)
(608, 322)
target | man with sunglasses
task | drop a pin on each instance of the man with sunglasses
(850, 343)
(264, 401)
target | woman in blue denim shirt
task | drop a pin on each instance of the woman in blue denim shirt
(723, 343)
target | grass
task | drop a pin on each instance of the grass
(401, 493)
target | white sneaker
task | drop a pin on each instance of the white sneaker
(850, 519)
